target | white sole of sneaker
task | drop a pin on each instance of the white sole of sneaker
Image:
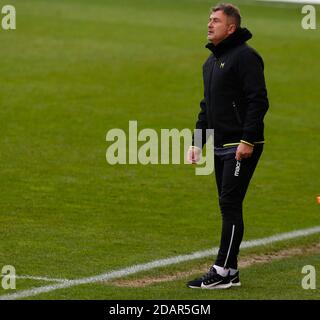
(193, 287)
(218, 286)
(238, 284)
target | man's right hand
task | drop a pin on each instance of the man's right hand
(193, 155)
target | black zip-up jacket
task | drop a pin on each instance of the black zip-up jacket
(235, 96)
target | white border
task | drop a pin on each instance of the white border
(294, 1)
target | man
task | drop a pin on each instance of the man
(234, 105)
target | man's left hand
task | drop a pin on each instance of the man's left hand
(244, 151)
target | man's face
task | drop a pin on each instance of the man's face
(219, 27)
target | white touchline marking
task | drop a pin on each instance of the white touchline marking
(40, 278)
(156, 264)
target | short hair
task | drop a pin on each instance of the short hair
(230, 11)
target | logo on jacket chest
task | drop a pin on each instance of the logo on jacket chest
(222, 73)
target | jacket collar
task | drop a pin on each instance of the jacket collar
(240, 36)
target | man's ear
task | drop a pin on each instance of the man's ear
(231, 28)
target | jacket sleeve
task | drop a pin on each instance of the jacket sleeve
(251, 72)
(202, 125)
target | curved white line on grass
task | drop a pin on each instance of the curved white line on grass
(155, 264)
(40, 278)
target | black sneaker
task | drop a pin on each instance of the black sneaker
(211, 280)
(235, 280)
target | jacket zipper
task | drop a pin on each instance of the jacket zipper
(210, 83)
(211, 77)
(236, 112)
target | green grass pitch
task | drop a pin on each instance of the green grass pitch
(74, 69)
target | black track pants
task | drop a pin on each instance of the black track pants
(232, 179)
